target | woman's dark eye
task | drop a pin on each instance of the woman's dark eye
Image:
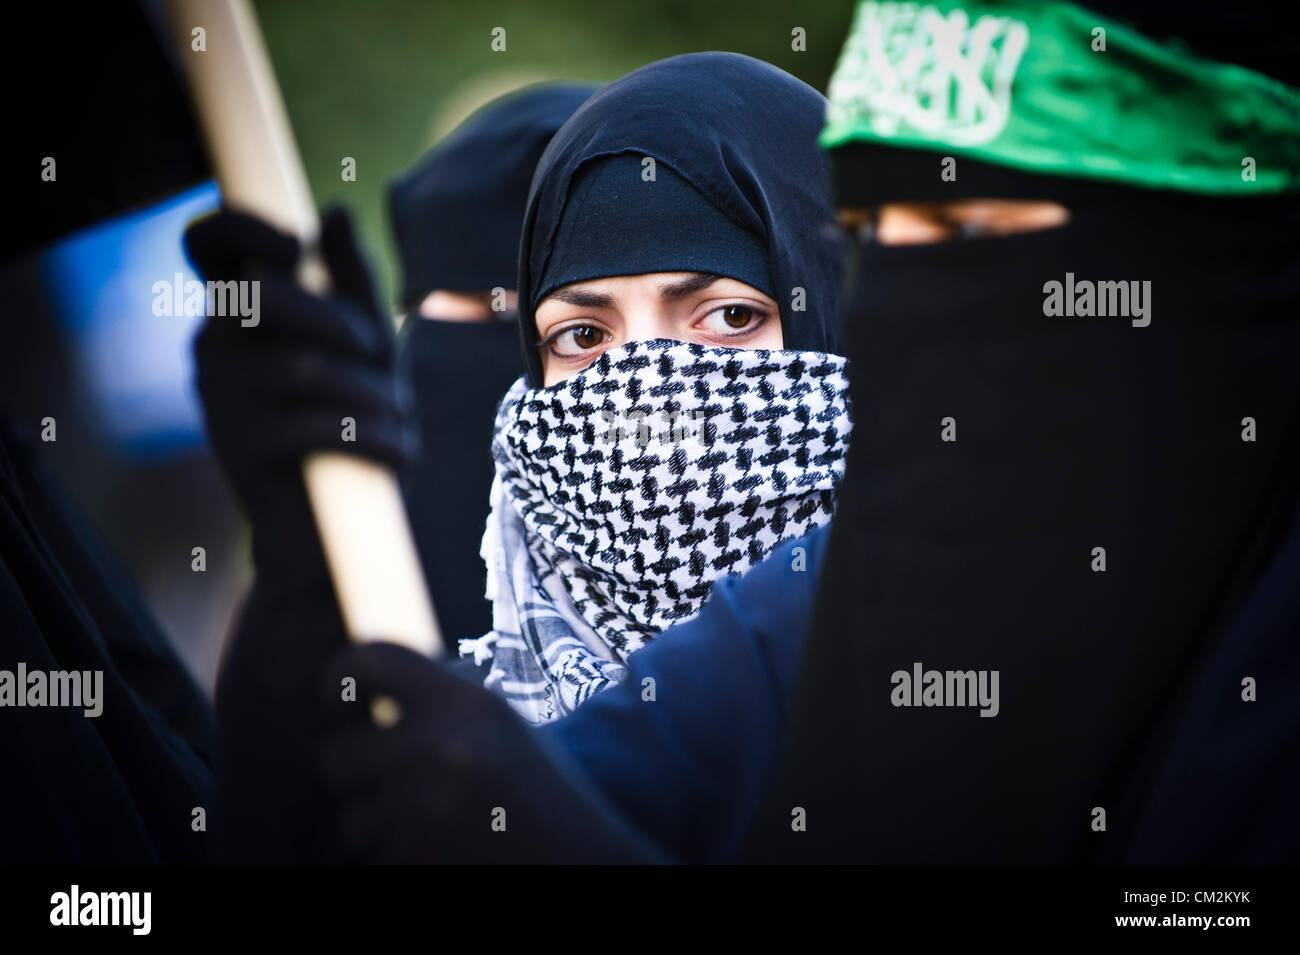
(572, 342)
(737, 316)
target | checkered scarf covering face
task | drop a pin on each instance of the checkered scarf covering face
(625, 491)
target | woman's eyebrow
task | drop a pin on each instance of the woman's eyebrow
(583, 298)
(696, 283)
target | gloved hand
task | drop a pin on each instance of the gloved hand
(430, 788)
(274, 391)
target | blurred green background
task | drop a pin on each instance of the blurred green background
(382, 81)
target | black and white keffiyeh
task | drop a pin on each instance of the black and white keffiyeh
(625, 491)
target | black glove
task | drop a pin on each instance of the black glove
(273, 392)
(277, 390)
(430, 788)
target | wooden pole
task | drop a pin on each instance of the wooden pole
(357, 503)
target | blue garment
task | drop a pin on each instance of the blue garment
(691, 767)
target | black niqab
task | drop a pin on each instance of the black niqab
(1072, 433)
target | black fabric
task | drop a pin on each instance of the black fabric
(458, 372)
(456, 213)
(739, 131)
(865, 174)
(120, 787)
(116, 119)
(616, 221)
(459, 779)
(1222, 783)
(1262, 39)
(1072, 433)
(271, 394)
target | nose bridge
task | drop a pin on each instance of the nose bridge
(647, 316)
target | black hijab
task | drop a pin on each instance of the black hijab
(456, 211)
(734, 133)
(456, 215)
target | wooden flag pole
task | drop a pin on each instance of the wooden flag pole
(357, 503)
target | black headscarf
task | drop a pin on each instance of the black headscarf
(456, 212)
(738, 132)
(457, 215)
